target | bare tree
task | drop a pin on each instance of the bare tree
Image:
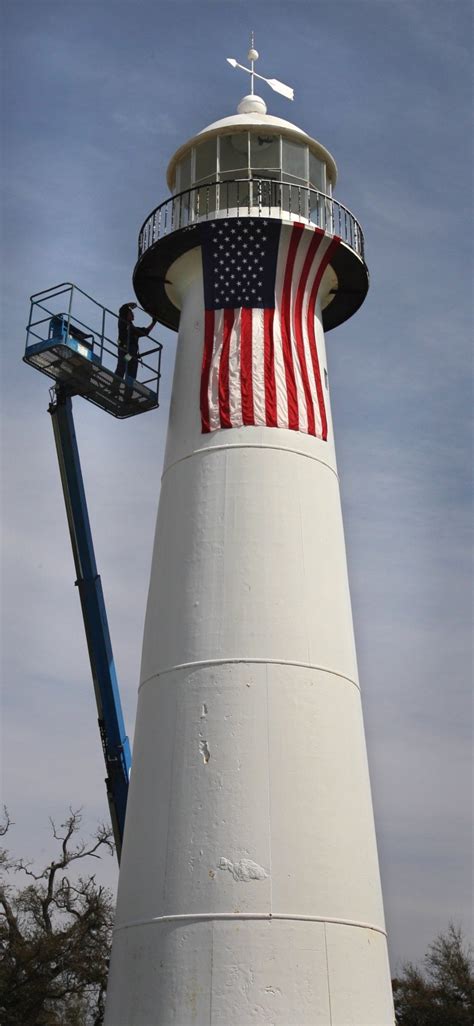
(55, 934)
(441, 993)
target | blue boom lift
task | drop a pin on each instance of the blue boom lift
(81, 358)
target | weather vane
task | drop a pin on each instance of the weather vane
(252, 56)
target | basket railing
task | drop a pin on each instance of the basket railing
(84, 316)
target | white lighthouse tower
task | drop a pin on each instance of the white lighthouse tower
(249, 887)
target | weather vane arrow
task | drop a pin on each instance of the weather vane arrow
(274, 83)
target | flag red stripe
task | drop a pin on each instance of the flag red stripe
(317, 374)
(206, 369)
(311, 334)
(293, 420)
(224, 408)
(312, 248)
(271, 413)
(246, 371)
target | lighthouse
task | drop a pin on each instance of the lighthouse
(249, 888)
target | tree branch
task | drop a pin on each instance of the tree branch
(9, 914)
(7, 822)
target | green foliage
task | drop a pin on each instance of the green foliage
(55, 936)
(442, 994)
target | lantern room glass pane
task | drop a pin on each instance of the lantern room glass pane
(183, 178)
(317, 173)
(264, 151)
(295, 197)
(233, 153)
(234, 195)
(319, 209)
(295, 159)
(268, 194)
(205, 200)
(206, 160)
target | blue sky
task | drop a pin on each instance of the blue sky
(96, 98)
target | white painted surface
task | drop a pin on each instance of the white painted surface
(249, 887)
(304, 979)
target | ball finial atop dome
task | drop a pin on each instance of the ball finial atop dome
(252, 104)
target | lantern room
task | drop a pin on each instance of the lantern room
(254, 159)
(248, 165)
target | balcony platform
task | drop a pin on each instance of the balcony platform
(173, 228)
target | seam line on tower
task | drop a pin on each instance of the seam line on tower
(239, 659)
(249, 445)
(264, 916)
(327, 973)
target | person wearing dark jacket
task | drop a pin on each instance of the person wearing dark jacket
(128, 338)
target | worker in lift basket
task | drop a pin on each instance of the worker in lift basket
(128, 336)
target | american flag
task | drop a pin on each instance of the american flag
(260, 361)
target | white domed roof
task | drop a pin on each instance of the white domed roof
(254, 119)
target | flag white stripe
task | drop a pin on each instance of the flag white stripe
(235, 389)
(258, 368)
(213, 390)
(279, 361)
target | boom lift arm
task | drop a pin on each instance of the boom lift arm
(115, 743)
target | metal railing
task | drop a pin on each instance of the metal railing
(84, 316)
(255, 197)
(73, 339)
